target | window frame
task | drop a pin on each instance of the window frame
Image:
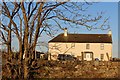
(87, 46)
(102, 46)
(102, 56)
(72, 45)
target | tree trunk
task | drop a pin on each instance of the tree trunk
(9, 42)
(25, 39)
(26, 68)
(21, 49)
(26, 71)
(9, 45)
(39, 24)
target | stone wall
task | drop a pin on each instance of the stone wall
(71, 69)
(77, 69)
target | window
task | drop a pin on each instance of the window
(87, 46)
(102, 56)
(102, 46)
(72, 45)
(38, 55)
(54, 46)
(88, 55)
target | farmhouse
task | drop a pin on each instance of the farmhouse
(81, 46)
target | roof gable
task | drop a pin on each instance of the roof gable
(83, 38)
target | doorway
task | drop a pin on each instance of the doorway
(88, 56)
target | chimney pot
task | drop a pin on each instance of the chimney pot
(65, 32)
(109, 32)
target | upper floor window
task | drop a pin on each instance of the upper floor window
(102, 46)
(72, 45)
(87, 46)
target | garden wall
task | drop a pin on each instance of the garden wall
(77, 69)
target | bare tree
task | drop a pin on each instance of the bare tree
(28, 20)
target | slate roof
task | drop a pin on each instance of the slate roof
(83, 38)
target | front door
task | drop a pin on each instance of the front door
(88, 57)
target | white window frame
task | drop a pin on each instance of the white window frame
(102, 46)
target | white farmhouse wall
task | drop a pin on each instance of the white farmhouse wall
(65, 48)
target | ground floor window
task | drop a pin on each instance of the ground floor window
(102, 56)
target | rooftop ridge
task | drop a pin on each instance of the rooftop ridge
(83, 38)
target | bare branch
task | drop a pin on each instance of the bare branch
(29, 8)
(32, 11)
(3, 37)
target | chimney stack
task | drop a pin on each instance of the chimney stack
(109, 32)
(65, 32)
